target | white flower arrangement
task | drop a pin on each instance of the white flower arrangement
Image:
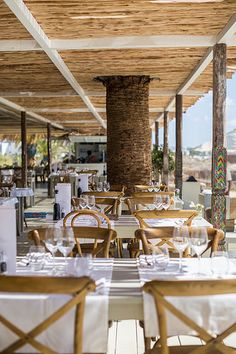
(198, 207)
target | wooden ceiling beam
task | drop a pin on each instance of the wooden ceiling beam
(68, 93)
(37, 93)
(21, 11)
(17, 108)
(82, 110)
(119, 42)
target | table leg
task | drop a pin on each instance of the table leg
(21, 215)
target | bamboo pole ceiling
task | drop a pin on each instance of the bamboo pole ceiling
(48, 60)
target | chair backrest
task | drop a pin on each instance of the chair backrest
(48, 285)
(159, 289)
(164, 235)
(143, 188)
(110, 204)
(141, 200)
(144, 215)
(92, 233)
(118, 187)
(109, 194)
(38, 235)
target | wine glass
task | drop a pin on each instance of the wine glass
(52, 236)
(106, 186)
(83, 201)
(91, 201)
(99, 187)
(198, 242)
(180, 241)
(166, 202)
(157, 201)
(66, 242)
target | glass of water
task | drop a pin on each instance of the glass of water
(220, 263)
(160, 257)
(36, 257)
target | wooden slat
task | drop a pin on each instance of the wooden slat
(58, 18)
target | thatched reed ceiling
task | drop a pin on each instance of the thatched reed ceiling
(50, 83)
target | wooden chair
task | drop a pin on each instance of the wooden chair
(144, 215)
(159, 289)
(109, 194)
(100, 236)
(47, 285)
(118, 187)
(37, 236)
(143, 188)
(110, 204)
(143, 200)
(164, 236)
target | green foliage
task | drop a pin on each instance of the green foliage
(157, 159)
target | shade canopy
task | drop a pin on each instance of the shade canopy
(51, 52)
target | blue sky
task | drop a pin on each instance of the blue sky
(197, 122)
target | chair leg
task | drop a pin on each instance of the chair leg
(147, 340)
(119, 248)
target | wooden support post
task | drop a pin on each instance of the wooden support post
(49, 151)
(157, 133)
(178, 147)
(219, 153)
(165, 150)
(23, 150)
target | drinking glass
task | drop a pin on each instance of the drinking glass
(66, 242)
(83, 265)
(157, 201)
(36, 257)
(161, 257)
(180, 241)
(166, 202)
(198, 242)
(83, 201)
(99, 187)
(52, 236)
(91, 201)
(106, 186)
(220, 263)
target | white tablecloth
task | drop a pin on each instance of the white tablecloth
(214, 313)
(175, 222)
(22, 192)
(31, 310)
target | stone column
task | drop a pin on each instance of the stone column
(128, 130)
(219, 153)
(165, 150)
(178, 147)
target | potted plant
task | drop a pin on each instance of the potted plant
(157, 161)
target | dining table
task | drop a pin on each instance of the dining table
(119, 296)
(126, 225)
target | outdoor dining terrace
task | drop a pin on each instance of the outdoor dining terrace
(109, 241)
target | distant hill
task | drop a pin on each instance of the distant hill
(205, 148)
